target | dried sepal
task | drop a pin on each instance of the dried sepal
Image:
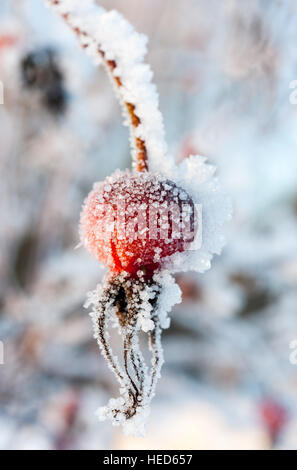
(132, 306)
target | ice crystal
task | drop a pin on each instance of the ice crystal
(132, 306)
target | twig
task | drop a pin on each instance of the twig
(138, 144)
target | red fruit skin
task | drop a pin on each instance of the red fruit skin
(117, 249)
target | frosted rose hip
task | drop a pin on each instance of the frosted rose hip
(131, 221)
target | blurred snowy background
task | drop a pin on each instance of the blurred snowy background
(223, 71)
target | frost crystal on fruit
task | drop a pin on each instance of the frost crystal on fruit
(131, 222)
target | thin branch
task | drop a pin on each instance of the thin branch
(141, 157)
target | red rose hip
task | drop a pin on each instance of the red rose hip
(131, 222)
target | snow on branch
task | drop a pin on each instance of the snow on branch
(111, 40)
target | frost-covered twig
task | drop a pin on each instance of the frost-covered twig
(111, 40)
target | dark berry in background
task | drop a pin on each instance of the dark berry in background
(41, 72)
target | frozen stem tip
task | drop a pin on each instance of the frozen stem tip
(145, 224)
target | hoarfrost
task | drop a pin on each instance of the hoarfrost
(112, 34)
(134, 305)
(144, 308)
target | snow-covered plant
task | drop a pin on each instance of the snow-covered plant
(143, 224)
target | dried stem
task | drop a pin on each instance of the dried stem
(138, 144)
(102, 321)
(157, 352)
(121, 300)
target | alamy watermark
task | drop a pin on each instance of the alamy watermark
(154, 221)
